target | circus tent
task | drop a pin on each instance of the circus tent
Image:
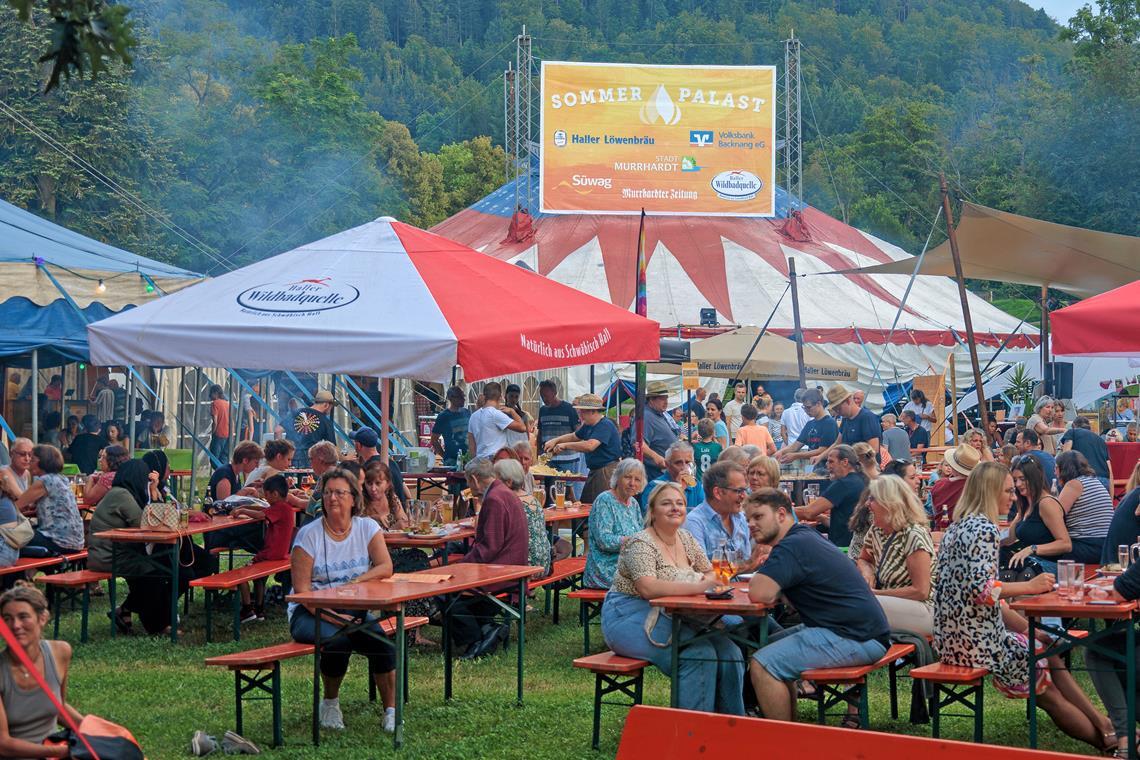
(738, 266)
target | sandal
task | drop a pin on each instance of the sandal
(850, 721)
(806, 690)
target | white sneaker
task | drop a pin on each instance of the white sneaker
(330, 714)
(390, 720)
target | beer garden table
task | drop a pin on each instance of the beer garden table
(390, 596)
(1118, 617)
(401, 540)
(698, 605)
(573, 514)
(173, 538)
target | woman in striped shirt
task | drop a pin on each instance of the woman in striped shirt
(1087, 505)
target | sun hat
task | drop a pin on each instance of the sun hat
(963, 459)
(836, 395)
(324, 397)
(589, 401)
(657, 388)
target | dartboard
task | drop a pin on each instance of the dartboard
(306, 422)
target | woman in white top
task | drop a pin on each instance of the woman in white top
(1041, 423)
(337, 549)
(922, 408)
(1087, 505)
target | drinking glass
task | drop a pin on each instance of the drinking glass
(1123, 555)
(811, 492)
(722, 564)
(1077, 581)
(1064, 577)
(688, 479)
(423, 522)
(559, 491)
(540, 495)
(447, 508)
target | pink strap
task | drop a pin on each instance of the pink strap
(22, 656)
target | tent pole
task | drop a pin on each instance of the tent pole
(642, 310)
(1046, 375)
(197, 375)
(592, 378)
(385, 417)
(983, 414)
(35, 395)
(130, 409)
(799, 333)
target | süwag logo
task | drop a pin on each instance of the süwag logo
(700, 138)
(737, 185)
(298, 297)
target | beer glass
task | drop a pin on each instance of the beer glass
(1077, 581)
(688, 479)
(1064, 577)
(559, 492)
(1123, 556)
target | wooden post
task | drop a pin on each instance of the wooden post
(799, 333)
(983, 414)
(1046, 375)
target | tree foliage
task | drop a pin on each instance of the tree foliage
(86, 35)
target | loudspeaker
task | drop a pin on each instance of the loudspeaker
(674, 350)
(708, 318)
(1059, 379)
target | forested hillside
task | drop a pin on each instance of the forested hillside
(250, 127)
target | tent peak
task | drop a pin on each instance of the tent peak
(388, 219)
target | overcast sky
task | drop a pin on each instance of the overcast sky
(1060, 10)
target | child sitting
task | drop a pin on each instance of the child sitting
(278, 540)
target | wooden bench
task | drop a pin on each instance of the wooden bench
(569, 569)
(835, 685)
(665, 734)
(228, 582)
(67, 587)
(259, 670)
(954, 684)
(612, 673)
(25, 564)
(590, 607)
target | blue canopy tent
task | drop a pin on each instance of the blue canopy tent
(53, 281)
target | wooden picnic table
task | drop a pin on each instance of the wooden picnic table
(574, 513)
(401, 540)
(702, 614)
(391, 596)
(1118, 617)
(174, 538)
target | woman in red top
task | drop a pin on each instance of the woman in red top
(279, 519)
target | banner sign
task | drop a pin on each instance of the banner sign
(681, 140)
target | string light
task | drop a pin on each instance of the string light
(101, 287)
(82, 366)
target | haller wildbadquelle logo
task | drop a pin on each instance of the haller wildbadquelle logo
(298, 297)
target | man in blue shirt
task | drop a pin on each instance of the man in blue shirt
(557, 418)
(1029, 443)
(598, 438)
(449, 433)
(856, 423)
(679, 468)
(1081, 438)
(718, 518)
(817, 435)
(843, 625)
(659, 431)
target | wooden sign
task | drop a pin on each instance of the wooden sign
(690, 380)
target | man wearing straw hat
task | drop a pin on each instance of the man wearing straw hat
(598, 438)
(945, 493)
(659, 432)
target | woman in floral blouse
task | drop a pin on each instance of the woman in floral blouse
(614, 516)
(973, 628)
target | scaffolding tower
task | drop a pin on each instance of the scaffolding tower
(520, 99)
(793, 135)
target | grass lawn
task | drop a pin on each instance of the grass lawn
(163, 692)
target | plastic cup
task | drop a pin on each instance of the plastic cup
(1064, 578)
(1077, 581)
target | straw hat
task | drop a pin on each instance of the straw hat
(589, 401)
(657, 388)
(963, 459)
(836, 395)
(324, 397)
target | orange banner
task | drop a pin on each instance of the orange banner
(692, 140)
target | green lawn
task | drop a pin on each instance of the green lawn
(162, 692)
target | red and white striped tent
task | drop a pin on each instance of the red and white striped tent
(738, 266)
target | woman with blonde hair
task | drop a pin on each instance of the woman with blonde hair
(665, 560)
(976, 437)
(898, 555)
(973, 629)
(868, 459)
(763, 472)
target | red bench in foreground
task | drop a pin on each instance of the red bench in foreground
(666, 734)
(834, 686)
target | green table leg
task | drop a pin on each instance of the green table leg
(401, 667)
(675, 663)
(1032, 716)
(522, 637)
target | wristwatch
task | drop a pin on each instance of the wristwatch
(1033, 550)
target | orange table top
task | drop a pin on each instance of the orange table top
(397, 539)
(739, 604)
(152, 536)
(388, 594)
(577, 511)
(1053, 605)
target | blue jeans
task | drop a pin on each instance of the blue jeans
(336, 647)
(220, 448)
(711, 670)
(792, 651)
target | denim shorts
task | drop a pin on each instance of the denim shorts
(801, 648)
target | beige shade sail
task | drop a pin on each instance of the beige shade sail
(774, 359)
(996, 245)
(120, 289)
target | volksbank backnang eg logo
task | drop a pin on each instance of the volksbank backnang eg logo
(700, 138)
(298, 296)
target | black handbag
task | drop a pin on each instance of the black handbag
(1029, 570)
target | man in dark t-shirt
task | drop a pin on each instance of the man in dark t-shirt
(449, 434)
(312, 424)
(84, 449)
(843, 625)
(839, 498)
(1081, 438)
(857, 425)
(598, 438)
(556, 418)
(818, 433)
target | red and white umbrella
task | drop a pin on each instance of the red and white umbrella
(383, 299)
